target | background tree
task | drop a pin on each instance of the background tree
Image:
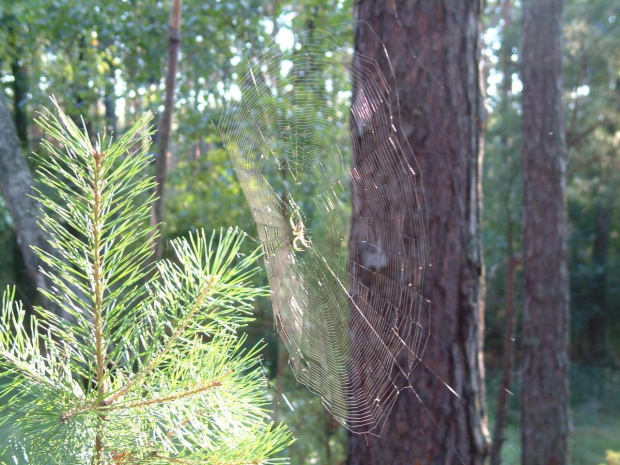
(442, 112)
(165, 122)
(502, 215)
(592, 104)
(545, 423)
(16, 182)
(590, 64)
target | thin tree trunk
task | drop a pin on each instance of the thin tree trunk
(165, 122)
(507, 66)
(16, 182)
(442, 112)
(20, 81)
(513, 262)
(597, 334)
(282, 364)
(20, 97)
(508, 360)
(545, 420)
(80, 89)
(109, 101)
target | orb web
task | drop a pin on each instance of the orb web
(308, 133)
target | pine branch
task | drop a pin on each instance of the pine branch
(165, 351)
(97, 278)
(118, 378)
(97, 271)
(172, 397)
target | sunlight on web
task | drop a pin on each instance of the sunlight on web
(307, 136)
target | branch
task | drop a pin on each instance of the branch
(97, 275)
(172, 397)
(100, 349)
(572, 140)
(102, 402)
(584, 164)
(177, 333)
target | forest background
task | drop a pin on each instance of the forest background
(107, 62)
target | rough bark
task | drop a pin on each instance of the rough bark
(442, 116)
(545, 397)
(165, 122)
(16, 182)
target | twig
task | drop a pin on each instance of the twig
(171, 397)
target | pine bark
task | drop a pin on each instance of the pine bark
(442, 115)
(545, 420)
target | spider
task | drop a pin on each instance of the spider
(299, 230)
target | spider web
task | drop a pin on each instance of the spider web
(296, 134)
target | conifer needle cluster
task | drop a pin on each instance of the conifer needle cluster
(133, 362)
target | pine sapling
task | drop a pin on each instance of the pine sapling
(144, 364)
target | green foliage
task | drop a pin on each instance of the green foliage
(324, 440)
(592, 91)
(613, 458)
(144, 365)
(197, 191)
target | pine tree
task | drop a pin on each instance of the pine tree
(147, 366)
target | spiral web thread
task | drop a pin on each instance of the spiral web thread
(292, 137)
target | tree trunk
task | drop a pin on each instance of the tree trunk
(109, 102)
(442, 113)
(545, 398)
(506, 67)
(20, 78)
(20, 98)
(16, 182)
(597, 334)
(513, 262)
(165, 122)
(508, 360)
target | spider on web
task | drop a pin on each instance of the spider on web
(300, 243)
